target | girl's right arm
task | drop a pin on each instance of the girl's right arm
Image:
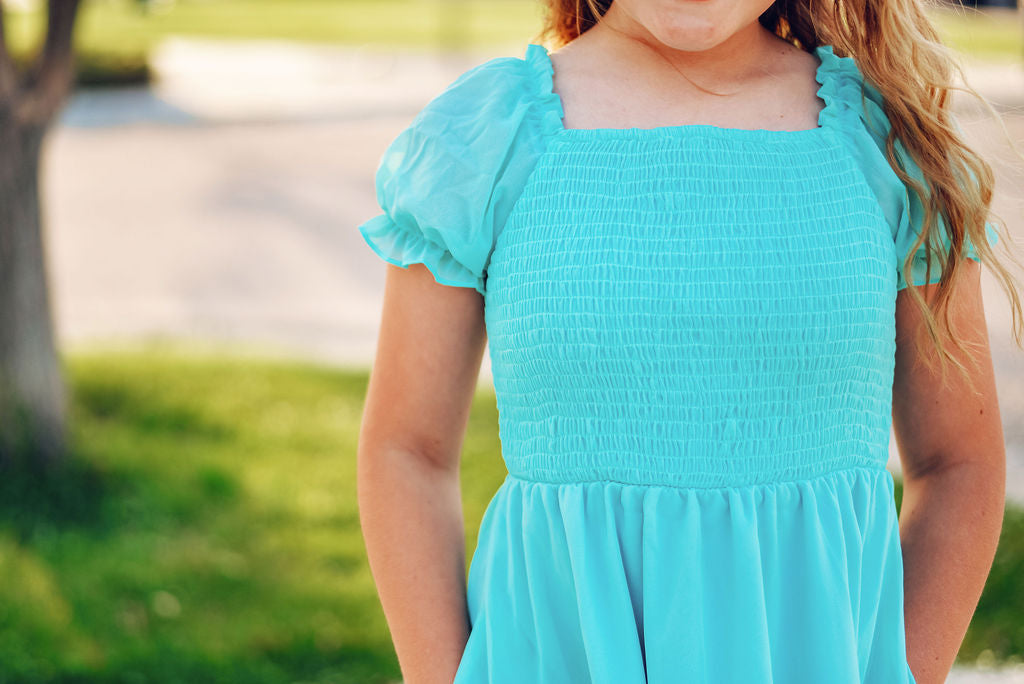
(429, 350)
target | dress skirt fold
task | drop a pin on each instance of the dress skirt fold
(629, 583)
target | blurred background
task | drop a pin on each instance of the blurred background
(194, 342)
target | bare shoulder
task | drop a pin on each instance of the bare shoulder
(792, 57)
(787, 61)
(793, 72)
(582, 59)
(587, 79)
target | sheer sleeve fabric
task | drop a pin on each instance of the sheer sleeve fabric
(448, 181)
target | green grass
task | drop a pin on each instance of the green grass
(207, 530)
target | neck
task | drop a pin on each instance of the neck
(732, 61)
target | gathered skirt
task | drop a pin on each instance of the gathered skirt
(604, 582)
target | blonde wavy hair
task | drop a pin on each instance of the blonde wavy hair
(898, 50)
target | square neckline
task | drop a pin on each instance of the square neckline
(677, 130)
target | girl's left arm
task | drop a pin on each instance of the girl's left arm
(953, 459)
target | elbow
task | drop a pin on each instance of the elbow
(382, 457)
(978, 478)
(974, 454)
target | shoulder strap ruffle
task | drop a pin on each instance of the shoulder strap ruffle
(840, 85)
(548, 105)
(855, 107)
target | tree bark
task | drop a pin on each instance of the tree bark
(32, 395)
(33, 400)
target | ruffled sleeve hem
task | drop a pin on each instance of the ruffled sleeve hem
(402, 248)
(920, 274)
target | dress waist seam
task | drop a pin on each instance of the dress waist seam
(697, 480)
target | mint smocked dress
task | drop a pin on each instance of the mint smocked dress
(692, 337)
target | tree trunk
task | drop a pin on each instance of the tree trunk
(32, 392)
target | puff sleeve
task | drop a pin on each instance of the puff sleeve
(905, 207)
(446, 183)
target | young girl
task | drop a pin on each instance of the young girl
(707, 242)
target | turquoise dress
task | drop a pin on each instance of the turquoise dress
(692, 338)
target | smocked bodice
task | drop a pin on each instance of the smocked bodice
(686, 307)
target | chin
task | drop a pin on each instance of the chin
(689, 34)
